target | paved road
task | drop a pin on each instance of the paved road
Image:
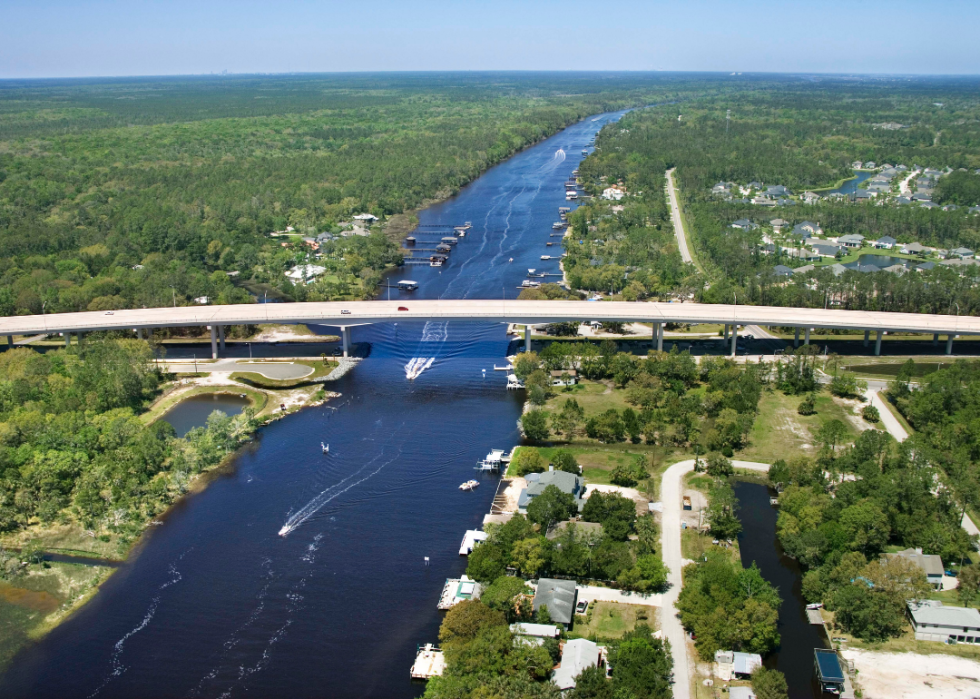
(279, 371)
(888, 420)
(903, 187)
(675, 217)
(350, 313)
(670, 533)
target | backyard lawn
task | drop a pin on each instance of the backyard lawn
(610, 620)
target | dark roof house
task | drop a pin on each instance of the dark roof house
(559, 597)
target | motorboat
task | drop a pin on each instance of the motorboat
(469, 485)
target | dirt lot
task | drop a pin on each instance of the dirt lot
(915, 676)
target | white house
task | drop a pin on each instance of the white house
(304, 274)
(366, 218)
(934, 622)
(613, 193)
(577, 655)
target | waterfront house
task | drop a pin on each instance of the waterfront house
(863, 195)
(559, 596)
(857, 165)
(577, 655)
(914, 249)
(826, 249)
(810, 197)
(851, 240)
(925, 266)
(303, 274)
(733, 664)
(565, 482)
(870, 165)
(895, 269)
(837, 269)
(932, 621)
(885, 242)
(931, 564)
(804, 269)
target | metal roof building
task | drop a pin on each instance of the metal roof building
(559, 597)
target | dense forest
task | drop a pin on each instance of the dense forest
(149, 192)
(803, 137)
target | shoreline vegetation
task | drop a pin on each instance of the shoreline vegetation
(37, 594)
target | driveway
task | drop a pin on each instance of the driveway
(590, 593)
(670, 542)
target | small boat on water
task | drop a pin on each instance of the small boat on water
(325, 448)
(501, 368)
(469, 485)
(511, 259)
(546, 257)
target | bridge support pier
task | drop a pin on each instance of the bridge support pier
(949, 344)
(221, 337)
(867, 337)
(806, 337)
(796, 338)
(734, 339)
(935, 339)
(67, 339)
(10, 342)
(139, 333)
(878, 343)
(726, 332)
(214, 342)
(527, 338)
(345, 337)
(658, 336)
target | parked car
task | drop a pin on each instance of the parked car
(345, 312)
(581, 607)
(402, 308)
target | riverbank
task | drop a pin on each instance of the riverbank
(36, 597)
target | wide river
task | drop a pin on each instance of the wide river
(217, 604)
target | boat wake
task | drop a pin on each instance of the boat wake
(559, 155)
(432, 332)
(334, 491)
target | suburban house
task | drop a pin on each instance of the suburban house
(885, 242)
(931, 564)
(928, 205)
(870, 165)
(806, 229)
(733, 664)
(826, 249)
(837, 269)
(810, 197)
(563, 377)
(934, 622)
(777, 191)
(782, 271)
(723, 188)
(804, 269)
(914, 249)
(577, 655)
(857, 165)
(303, 274)
(565, 482)
(744, 224)
(863, 195)
(851, 240)
(778, 223)
(921, 196)
(925, 266)
(962, 252)
(535, 633)
(613, 193)
(559, 597)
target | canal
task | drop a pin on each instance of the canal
(758, 544)
(216, 604)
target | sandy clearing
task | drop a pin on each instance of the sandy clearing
(915, 676)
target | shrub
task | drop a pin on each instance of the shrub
(807, 406)
(871, 414)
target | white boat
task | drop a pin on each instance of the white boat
(469, 485)
(511, 259)
(546, 257)
(501, 368)
(528, 284)
(571, 195)
(531, 270)
(325, 448)
(491, 462)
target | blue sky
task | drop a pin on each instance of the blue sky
(60, 38)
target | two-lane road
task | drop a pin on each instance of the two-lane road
(675, 217)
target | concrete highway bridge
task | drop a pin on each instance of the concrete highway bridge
(347, 314)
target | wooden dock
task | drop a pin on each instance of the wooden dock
(499, 505)
(429, 662)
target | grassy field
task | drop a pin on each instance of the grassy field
(32, 604)
(611, 620)
(594, 396)
(780, 432)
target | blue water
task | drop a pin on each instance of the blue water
(194, 412)
(851, 186)
(217, 604)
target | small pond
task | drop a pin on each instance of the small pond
(193, 412)
(851, 186)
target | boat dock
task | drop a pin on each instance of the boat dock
(471, 538)
(429, 662)
(814, 617)
(457, 590)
